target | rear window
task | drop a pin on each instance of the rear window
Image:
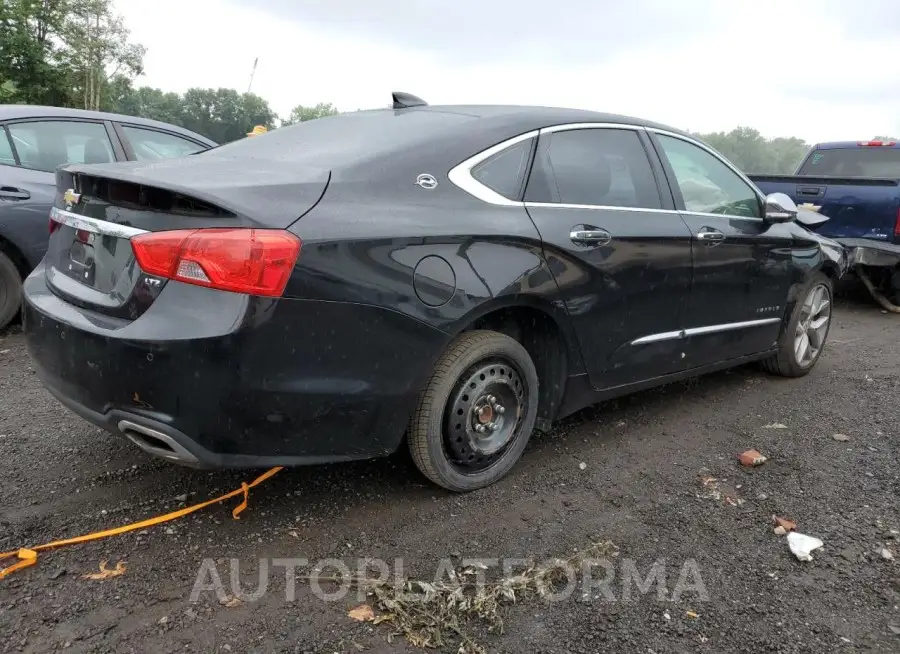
(343, 139)
(504, 173)
(152, 145)
(854, 162)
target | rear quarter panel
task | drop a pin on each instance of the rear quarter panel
(438, 256)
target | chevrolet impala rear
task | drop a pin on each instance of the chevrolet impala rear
(169, 308)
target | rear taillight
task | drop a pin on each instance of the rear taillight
(251, 261)
(897, 225)
(876, 144)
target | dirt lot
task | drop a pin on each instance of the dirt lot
(640, 488)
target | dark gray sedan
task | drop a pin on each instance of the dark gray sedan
(33, 142)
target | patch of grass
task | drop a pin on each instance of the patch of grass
(438, 614)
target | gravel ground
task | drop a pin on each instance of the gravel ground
(639, 486)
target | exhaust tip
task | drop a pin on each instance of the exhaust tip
(156, 442)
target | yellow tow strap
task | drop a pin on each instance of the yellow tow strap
(28, 555)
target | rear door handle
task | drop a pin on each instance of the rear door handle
(12, 193)
(710, 236)
(590, 236)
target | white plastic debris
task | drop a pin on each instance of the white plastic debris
(886, 554)
(775, 425)
(582, 466)
(802, 545)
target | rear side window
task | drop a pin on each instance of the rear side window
(6, 153)
(45, 145)
(596, 167)
(504, 173)
(854, 162)
(150, 145)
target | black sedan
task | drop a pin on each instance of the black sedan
(452, 277)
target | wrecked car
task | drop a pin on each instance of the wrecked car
(855, 186)
(442, 278)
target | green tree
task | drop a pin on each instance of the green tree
(98, 50)
(224, 114)
(787, 153)
(31, 52)
(300, 113)
(753, 153)
(147, 102)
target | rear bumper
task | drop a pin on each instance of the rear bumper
(867, 252)
(213, 379)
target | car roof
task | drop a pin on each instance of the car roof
(541, 115)
(425, 135)
(23, 111)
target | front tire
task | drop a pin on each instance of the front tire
(801, 343)
(10, 290)
(476, 413)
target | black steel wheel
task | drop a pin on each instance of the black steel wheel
(477, 412)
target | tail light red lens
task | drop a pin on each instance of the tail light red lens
(897, 225)
(251, 261)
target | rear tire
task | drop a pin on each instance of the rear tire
(476, 413)
(10, 290)
(803, 340)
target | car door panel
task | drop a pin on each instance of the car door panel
(40, 145)
(24, 221)
(623, 272)
(739, 288)
(742, 264)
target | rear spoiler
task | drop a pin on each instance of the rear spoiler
(262, 190)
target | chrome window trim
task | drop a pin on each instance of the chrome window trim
(567, 127)
(722, 215)
(93, 225)
(559, 205)
(461, 174)
(699, 331)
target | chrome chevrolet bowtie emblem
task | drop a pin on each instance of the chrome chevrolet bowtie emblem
(426, 181)
(71, 198)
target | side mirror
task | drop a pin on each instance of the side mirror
(780, 208)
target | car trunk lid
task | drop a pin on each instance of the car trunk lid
(101, 208)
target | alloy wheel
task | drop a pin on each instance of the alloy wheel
(812, 327)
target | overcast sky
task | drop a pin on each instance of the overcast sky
(818, 69)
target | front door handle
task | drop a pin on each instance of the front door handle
(590, 237)
(710, 236)
(13, 193)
